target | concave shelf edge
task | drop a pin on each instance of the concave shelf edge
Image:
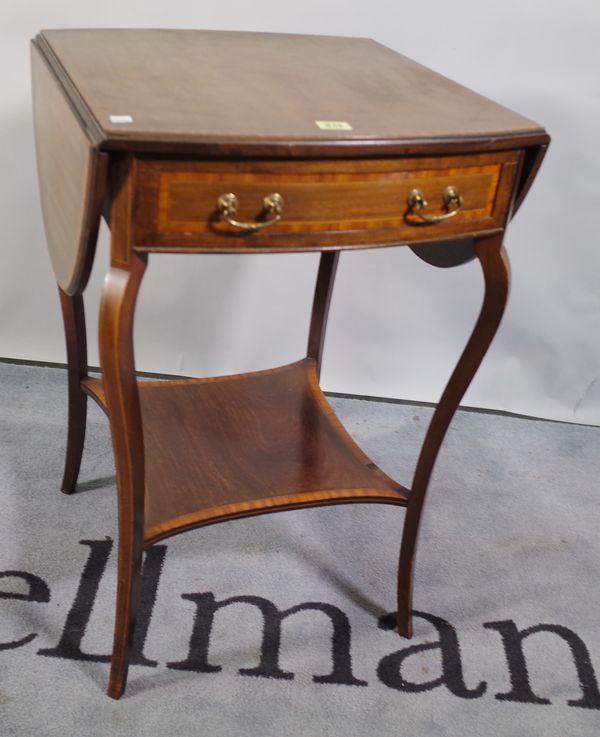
(290, 503)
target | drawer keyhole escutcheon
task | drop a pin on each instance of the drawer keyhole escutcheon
(417, 203)
(227, 205)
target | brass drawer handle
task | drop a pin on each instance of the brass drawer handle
(450, 198)
(227, 205)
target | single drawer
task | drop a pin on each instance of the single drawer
(187, 205)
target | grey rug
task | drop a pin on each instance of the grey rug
(277, 625)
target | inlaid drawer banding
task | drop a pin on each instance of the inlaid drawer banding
(303, 204)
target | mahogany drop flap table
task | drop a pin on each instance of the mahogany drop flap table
(221, 142)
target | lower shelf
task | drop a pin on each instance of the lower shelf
(246, 444)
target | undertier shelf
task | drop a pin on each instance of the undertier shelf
(239, 445)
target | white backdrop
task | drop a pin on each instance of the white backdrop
(396, 325)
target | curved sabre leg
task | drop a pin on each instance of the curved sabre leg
(495, 266)
(117, 307)
(322, 298)
(74, 322)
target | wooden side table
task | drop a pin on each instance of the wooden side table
(214, 142)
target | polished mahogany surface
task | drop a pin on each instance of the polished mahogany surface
(239, 445)
(242, 89)
(327, 203)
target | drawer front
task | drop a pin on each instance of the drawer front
(342, 203)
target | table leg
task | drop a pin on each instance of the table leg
(75, 335)
(320, 310)
(117, 307)
(495, 266)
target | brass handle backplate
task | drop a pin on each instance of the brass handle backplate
(227, 205)
(452, 202)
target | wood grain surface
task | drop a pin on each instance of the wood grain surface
(342, 203)
(211, 88)
(72, 178)
(241, 445)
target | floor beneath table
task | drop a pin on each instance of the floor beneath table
(509, 535)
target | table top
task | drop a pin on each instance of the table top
(183, 97)
(238, 92)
